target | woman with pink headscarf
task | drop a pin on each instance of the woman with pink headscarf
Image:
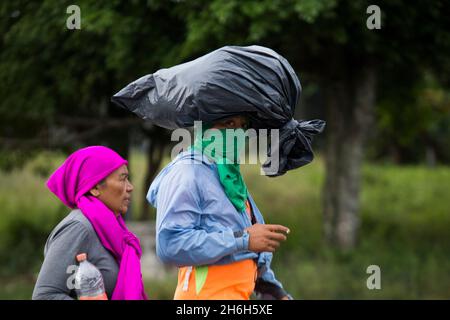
(93, 181)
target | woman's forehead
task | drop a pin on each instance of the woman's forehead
(121, 170)
(240, 119)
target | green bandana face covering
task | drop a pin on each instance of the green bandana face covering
(224, 146)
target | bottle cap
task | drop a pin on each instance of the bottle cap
(81, 257)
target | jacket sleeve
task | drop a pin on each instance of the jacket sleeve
(267, 287)
(180, 239)
(53, 282)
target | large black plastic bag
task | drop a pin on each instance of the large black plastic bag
(254, 81)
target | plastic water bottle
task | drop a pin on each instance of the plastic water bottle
(89, 281)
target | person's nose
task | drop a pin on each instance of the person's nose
(130, 187)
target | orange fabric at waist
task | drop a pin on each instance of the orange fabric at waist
(234, 281)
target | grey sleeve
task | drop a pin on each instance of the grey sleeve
(56, 275)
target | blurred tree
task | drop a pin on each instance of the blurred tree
(329, 42)
(413, 123)
(56, 83)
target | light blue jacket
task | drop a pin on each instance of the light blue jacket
(196, 224)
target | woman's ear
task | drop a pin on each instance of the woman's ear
(95, 191)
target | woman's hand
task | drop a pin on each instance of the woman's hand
(266, 237)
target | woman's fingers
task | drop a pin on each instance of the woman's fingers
(278, 228)
(272, 246)
(266, 237)
(277, 236)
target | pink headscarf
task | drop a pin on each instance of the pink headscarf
(82, 171)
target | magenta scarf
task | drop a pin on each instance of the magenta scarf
(71, 182)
